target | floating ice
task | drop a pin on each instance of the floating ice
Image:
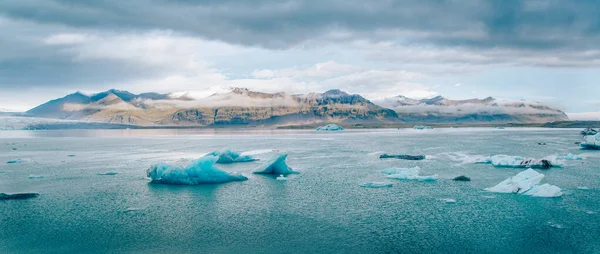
(408, 174)
(71, 155)
(5, 196)
(276, 165)
(449, 200)
(35, 176)
(14, 161)
(376, 184)
(570, 157)
(527, 183)
(330, 127)
(506, 161)
(591, 142)
(110, 173)
(200, 171)
(422, 127)
(583, 188)
(228, 156)
(281, 178)
(402, 157)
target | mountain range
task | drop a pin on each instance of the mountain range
(240, 106)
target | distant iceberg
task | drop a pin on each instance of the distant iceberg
(527, 183)
(201, 171)
(227, 156)
(276, 165)
(408, 174)
(35, 176)
(330, 127)
(591, 142)
(376, 185)
(507, 161)
(422, 127)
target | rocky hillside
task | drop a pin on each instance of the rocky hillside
(234, 106)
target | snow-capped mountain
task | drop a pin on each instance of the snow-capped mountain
(442, 110)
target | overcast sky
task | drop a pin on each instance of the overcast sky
(538, 50)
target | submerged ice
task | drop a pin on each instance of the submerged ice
(227, 156)
(276, 165)
(408, 174)
(527, 183)
(200, 171)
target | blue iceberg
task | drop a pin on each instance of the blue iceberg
(228, 156)
(15, 161)
(200, 171)
(330, 127)
(591, 142)
(507, 161)
(276, 165)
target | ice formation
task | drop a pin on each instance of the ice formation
(408, 174)
(422, 127)
(506, 161)
(449, 200)
(570, 157)
(402, 157)
(4, 196)
(227, 156)
(276, 165)
(376, 185)
(527, 183)
(14, 161)
(35, 176)
(591, 142)
(281, 178)
(110, 173)
(330, 127)
(200, 171)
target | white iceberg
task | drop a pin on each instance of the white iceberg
(527, 183)
(281, 178)
(376, 185)
(227, 156)
(35, 176)
(330, 127)
(408, 174)
(422, 127)
(201, 171)
(276, 165)
(570, 157)
(591, 142)
(507, 161)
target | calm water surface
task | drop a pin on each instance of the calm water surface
(321, 210)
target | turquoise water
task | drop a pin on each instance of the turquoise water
(321, 210)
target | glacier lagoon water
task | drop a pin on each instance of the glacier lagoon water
(321, 210)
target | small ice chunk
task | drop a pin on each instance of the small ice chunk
(449, 200)
(408, 174)
(35, 176)
(488, 197)
(5, 196)
(422, 127)
(591, 142)
(71, 155)
(527, 183)
(583, 188)
(110, 173)
(281, 178)
(14, 161)
(133, 209)
(402, 157)
(227, 156)
(506, 161)
(330, 127)
(200, 171)
(570, 157)
(376, 185)
(276, 165)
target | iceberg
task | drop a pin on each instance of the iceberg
(281, 178)
(330, 127)
(110, 173)
(15, 161)
(228, 156)
(570, 157)
(200, 171)
(408, 174)
(422, 127)
(276, 165)
(591, 142)
(449, 200)
(4, 196)
(527, 183)
(376, 185)
(35, 176)
(402, 157)
(506, 161)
